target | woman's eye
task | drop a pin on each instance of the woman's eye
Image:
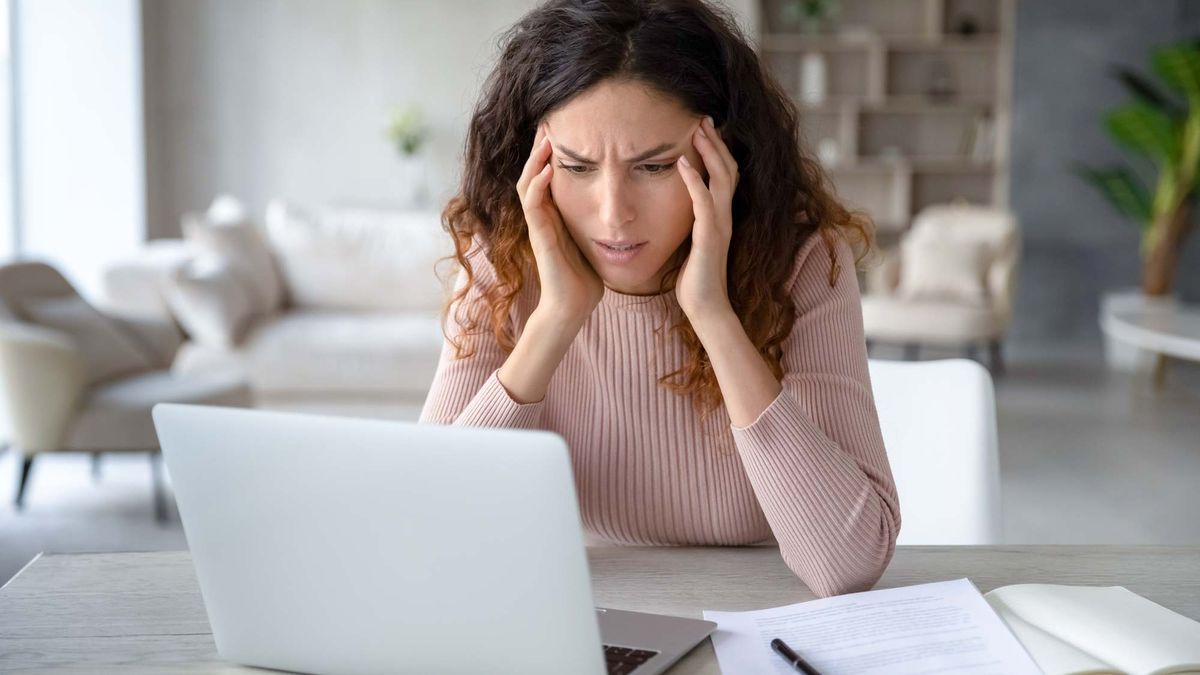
(657, 168)
(652, 169)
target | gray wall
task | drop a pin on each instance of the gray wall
(1076, 245)
(266, 98)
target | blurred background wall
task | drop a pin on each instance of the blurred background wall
(267, 98)
(1076, 245)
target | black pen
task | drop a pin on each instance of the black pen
(792, 657)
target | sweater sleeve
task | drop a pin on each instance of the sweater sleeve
(815, 456)
(466, 391)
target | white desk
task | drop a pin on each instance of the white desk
(142, 612)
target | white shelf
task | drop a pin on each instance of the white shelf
(791, 43)
(880, 61)
(899, 105)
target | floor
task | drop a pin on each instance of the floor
(1086, 456)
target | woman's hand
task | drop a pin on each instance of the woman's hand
(570, 287)
(702, 287)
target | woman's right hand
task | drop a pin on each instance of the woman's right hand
(570, 287)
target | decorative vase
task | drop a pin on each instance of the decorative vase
(812, 78)
(411, 188)
(941, 86)
(829, 152)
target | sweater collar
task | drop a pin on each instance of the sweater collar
(658, 302)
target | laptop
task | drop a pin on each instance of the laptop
(336, 545)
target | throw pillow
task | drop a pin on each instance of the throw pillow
(943, 269)
(365, 259)
(238, 240)
(210, 302)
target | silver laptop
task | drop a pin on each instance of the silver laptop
(338, 545)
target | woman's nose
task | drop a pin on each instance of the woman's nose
(616, 206)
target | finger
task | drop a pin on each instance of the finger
(719, 143)
(535, 193)
(534, 163)
(702, 198)
(720, 181)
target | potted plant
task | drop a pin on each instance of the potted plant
(408, 135)
(809, 15)
(1161, 127)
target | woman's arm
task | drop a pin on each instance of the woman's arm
(811, 445)
(491, 388)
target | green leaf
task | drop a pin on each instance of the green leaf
(1146, 90)
(1179, 66)
(1123, 190)
(1145, 129)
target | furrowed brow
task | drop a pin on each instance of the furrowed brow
(639, 157)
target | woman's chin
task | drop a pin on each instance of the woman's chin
(630, 284)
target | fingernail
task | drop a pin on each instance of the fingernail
(684, 160)
(709, 120)
(701, 130)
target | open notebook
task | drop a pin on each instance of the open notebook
(948, 626)
(1078, 630)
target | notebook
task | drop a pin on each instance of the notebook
(949, 626)
(1097, 630)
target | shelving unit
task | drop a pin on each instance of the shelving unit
(916, 105)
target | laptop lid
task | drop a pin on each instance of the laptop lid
(331, 544)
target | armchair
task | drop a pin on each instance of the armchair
(949, 283)
(75, 379)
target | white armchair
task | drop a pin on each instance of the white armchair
(75, 379)
(949, 283)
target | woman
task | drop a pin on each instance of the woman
(651, 268)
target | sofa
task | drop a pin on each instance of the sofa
(322, 310)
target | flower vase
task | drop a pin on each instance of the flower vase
(411, 184)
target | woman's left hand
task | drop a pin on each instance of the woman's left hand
(702, 286)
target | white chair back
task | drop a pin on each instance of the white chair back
(939, 427)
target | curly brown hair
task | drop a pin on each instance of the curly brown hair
(687, 49)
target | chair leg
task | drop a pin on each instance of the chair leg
(996, 358)
(95, 467)
(912, 351)
(26, 465)
(973, 351)
(160, 497)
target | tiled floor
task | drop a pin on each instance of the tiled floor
(1086, 457)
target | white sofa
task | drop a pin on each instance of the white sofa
(353, 325)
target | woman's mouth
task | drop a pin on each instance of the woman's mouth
(619, 251)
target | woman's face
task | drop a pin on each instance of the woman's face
(615, 179)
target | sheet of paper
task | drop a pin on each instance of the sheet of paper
(941, 627)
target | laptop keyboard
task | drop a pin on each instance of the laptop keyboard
(625, 660)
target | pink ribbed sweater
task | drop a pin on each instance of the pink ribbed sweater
(811, 471)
